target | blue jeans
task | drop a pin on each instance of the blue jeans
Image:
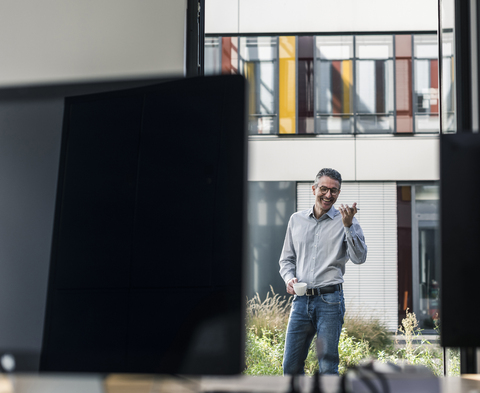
(309, 315)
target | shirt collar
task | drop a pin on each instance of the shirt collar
(331, 213)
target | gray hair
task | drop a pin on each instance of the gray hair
(329, 172)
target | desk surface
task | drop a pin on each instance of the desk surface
(58, 383)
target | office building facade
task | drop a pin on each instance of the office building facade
(358, 96)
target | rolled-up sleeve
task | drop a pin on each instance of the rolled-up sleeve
(288, 258)
(356, 246)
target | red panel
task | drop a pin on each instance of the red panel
(226, 55)
(403, 82)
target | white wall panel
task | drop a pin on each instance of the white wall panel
(370, 289)
(221, 16)
(267, 16)
(364, 158)
(58, 40)
(397, 158)
(289, 159)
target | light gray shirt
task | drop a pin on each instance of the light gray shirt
(316, 251)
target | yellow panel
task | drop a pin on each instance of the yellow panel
(287, 85)
(249, 72)
(347, 76)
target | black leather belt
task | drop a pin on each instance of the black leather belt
(319, 291)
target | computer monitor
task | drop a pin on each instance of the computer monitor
(145, 272)
(459, 195)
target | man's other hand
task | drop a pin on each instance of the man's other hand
(290, 283)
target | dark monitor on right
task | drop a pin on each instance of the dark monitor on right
(460, 239)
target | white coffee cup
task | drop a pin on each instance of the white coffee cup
(300, 288)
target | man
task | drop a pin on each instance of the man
(318, 243)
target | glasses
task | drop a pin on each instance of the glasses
(333, 191)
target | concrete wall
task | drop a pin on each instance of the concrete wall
(360, 158)
(296, 16)
(56, 40)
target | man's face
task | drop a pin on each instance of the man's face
(325, 200)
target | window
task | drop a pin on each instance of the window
(213, 59)
(418, 259)
(448, 82)
(258, 63)
(426, 83)
(327, 84)
(374, 88)
(334, 84)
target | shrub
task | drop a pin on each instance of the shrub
(266, 329)
(370, 329)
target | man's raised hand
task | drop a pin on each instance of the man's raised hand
(348, 213)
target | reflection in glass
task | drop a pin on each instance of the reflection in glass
(270, 206)
(258, 63)
(374, 77)
(305, 84)
(447, 78)
(426, 219)
(212, 56)
(448, 83)
(426, 83)
(334, 84)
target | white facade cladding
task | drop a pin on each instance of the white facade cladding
(357, 158)
(305, 16)
(371, 288)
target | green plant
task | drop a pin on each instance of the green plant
(364, 326)
(264, 352)
(453, 362)
(351, 350)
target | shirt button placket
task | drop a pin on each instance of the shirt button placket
(314, 252)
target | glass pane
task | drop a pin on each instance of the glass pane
(429, 274)
(305, 86)
(334, 84)
(426, 211)
(447, 79)
(374, 78)
(427, 122)
(374, 123)
(426, 103)
(374, 47)
(270, 205)
(258, 63)
(213, 57)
